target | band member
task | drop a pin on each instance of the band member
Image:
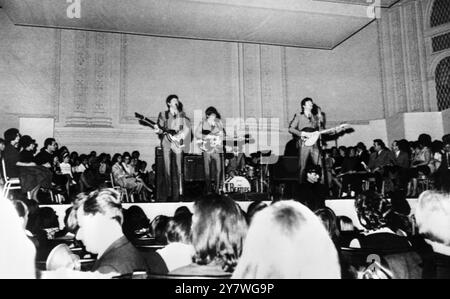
(309, 119)
(174, 128)
(210, 132)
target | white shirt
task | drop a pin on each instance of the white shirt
(177, 255)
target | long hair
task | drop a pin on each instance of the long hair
(286, 240)
(218, 231)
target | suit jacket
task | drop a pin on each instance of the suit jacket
(402, 160)
(445, 164)
(121, 257)
(381, 159)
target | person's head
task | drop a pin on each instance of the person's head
(99, 217)
(12, 136)
(395, 146)
(143, 166)
(183, 210)
(2, 144)
(136, 155)
(173, 102)
(218, 231)
(403, 146)
(345, 224)
(73, 156)
(27, 143)
(212, 113)
(93, 154)
(17, 258)
(361, 147)
(159, 228)
(50, 145)
(446, 142)
(126, 158)
(372, 210)
(134, 220)
(286, 240)
(378, 144)
(117, 158)
(343, 151)
(179, 229)
(306, 104)
(254, 208)
(351, 151)
(424, 140)
(432, 216)
(313, 173)
(329, 220)
(437, 146)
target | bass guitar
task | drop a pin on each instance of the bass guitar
(171, 135)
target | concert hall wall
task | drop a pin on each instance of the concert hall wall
(91, 83)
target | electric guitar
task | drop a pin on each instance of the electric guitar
(170, 134)
(210, 142)
(313, 135)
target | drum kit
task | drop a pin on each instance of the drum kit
(254, 176)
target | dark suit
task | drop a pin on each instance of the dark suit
(377, 163)
(120, 257)
(443, 173)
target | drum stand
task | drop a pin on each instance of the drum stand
(264, 177)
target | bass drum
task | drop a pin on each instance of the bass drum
(237, 184)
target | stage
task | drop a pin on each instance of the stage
(342, 207)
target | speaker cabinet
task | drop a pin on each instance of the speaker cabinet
(193, 168)
(286, 169)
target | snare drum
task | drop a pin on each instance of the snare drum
(237, 184)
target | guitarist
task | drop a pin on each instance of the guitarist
(310, 118)
(210, 132)
(174, 119)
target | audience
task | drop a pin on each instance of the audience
(99, 217)
(373, 212)
(218, 232)
(312, 192)
(135, 223)
(286, 240)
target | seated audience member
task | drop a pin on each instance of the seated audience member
(66, 168)
(46, 158)
(401, 163)
(135, 223)
(312, 192)
(32, 176)
(379, 159)
(442, 174)
(179, 252)
(182, 210)
(373, 214)
(99, 217)
(432, 215)
(347, 231)
(11, 152)
(437, 150)
(17, 258)
(159, 227)
(254, 208)
(218, 232)
(420, 163)
(286, 240)
(123, 178)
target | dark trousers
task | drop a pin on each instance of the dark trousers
(305, 154)
(216, 159)
(173, 181)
